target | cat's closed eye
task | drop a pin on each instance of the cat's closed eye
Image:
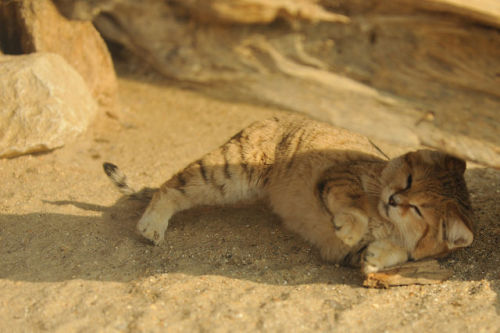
(409, 181)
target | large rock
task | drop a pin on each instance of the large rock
(414, 72)
(28, 26)
(44, 103)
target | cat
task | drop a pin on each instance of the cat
(332, 187)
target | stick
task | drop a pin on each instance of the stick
(418, 272)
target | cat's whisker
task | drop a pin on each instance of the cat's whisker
(373, 187)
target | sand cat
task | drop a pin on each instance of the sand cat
(330, 186)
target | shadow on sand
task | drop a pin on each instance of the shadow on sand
(243, 242)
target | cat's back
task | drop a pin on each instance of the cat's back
(292, 149)
(298, 137)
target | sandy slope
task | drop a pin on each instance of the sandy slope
(70, 260)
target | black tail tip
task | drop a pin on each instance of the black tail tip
(109, 168)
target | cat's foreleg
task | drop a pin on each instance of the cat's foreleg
(381, 254)
(343, 198)
(350, 226)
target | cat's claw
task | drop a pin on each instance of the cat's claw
(382, 254)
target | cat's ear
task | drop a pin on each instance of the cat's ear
(456, 232)
(455, 164)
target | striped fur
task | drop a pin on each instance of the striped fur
(333, 187)
(118, 178)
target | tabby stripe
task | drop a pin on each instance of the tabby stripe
(321, 189)
(243, 163)
(121, 185)
(264, 177)
(342, 181)
(182, 182)
(202, 170)
(284, 141)
(227, 171)
(221, 189)
(295, 150)
(362, 249)
(250, 170)
(354, 196)
(354, 258)
(236, 137)
(181, 179)
(347, 259)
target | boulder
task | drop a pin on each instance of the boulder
(413, 72)
(44, 103)
(28, 26)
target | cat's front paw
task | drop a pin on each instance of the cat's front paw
(382, 254)
(152, 227)
(350, 227)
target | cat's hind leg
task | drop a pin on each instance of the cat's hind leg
(221, 177)
(165, 202)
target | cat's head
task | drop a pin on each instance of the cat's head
(424, 195)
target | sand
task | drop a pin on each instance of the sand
(70, 260)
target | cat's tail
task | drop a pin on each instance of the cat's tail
(118, 178)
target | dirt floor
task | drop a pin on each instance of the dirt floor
(71, 261)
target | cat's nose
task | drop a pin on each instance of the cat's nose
(392, 202)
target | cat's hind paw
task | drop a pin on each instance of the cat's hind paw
(152, 228)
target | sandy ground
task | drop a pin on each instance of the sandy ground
(71, 261)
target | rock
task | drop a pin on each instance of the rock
(37, 26)
(259, 11)
(44, 103)
(409, 72)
